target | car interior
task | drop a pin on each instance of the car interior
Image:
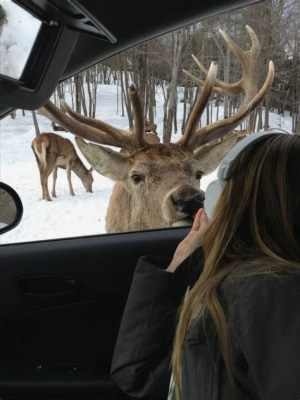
(62, 300)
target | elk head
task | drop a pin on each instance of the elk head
(158, 185)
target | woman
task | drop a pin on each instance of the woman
(238, 331)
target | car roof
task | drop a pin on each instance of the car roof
(128, 23)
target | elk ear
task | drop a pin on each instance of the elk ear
(104, 160)
(210, 155)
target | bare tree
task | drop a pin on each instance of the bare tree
(35, 123)
(172, 90)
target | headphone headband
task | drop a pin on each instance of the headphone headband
(215, 187)
(225, 166)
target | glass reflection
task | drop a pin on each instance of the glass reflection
(8, 209)
(18, 31)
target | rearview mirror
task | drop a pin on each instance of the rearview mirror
(11, 208)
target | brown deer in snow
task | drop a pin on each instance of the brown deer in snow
(158, 184)
(53, 151)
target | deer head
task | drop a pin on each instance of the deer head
(158, 185)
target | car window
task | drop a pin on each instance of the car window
(138, 181)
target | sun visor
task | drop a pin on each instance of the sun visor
(37, 39)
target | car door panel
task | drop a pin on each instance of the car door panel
(64, 301)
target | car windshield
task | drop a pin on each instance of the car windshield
(167, 95)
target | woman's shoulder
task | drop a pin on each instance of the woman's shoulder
(263, 312)
(262, 270)
(260, 279)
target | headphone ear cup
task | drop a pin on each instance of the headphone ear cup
(212, 195)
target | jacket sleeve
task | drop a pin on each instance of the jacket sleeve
(142, 354)
(265, 324)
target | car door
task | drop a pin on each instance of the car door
(61, 305)
(62, 299)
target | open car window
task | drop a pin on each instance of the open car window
(129, 189)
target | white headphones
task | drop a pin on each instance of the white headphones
(214, 189)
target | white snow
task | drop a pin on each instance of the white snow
(66, 216)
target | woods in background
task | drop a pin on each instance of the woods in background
(159, 63)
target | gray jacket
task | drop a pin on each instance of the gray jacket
(264, 321)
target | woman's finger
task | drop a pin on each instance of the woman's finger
(203, 221)
(197, 220)
(201, 224)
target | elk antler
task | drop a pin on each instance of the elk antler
(138, 116)
(200, 102)
(96, 130)
(247, 85)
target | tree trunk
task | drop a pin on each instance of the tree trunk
(207, 113)
(125, 85)
(35, 123)
(171, 105)
(267, 109)
(260, 122)
(83, 102)
(122, 97)
(152, 101)
(88, 79)
(185, 99)
(297, 120)
(77, 93)
(226, 79)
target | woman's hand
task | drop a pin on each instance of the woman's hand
(191, 242)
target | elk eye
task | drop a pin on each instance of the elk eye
(199, 174)
(136, 178)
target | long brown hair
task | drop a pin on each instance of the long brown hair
(257, 218)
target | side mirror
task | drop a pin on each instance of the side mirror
(11, 208)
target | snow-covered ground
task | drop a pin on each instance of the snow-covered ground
(66, 216)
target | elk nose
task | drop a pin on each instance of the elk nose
(189, 204)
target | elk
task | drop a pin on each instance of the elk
(157, 185)
(53, 151)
